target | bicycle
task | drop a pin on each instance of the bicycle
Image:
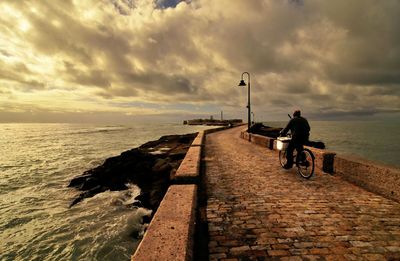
(304, 162)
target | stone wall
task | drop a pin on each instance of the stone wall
(170, 235)
(378, 178)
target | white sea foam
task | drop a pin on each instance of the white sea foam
(159, 151)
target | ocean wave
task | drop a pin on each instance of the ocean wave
(100, 130)
(16, 222)
(11, 166)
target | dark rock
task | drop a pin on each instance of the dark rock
(260, 129)
(78, 181)
(141, 166)
(89, 183)
(137, 204)
(185, 140)
(161, 165)
(134, 234)
(144, 198)
(177, 155)
(146, 219)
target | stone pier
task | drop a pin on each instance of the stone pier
(258, 211)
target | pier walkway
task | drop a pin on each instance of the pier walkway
(258, 211)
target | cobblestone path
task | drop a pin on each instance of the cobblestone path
(258, 211)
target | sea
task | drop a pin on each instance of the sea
(37, 161)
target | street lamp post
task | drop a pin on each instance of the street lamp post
(242, 83)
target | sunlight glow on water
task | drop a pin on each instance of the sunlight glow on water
(36, 164)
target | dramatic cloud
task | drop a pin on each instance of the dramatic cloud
(171, 57)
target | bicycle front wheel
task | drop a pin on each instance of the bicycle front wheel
(305, 166)
(282, 157)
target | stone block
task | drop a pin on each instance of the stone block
(328, 162)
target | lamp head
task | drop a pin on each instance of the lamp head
(242, 83)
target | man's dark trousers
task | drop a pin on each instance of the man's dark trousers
(293, 144)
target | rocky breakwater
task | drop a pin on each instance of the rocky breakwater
(149, 166)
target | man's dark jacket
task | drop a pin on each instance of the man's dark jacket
(299, 128)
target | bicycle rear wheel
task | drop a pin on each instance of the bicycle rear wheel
(305, 165)
(282, 157)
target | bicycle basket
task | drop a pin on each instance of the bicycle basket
(282, 143)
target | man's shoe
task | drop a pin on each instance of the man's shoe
(286, 166)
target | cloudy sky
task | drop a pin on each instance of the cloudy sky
(124, 60)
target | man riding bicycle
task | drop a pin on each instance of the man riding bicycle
(300, 130)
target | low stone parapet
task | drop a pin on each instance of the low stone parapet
(208, 131)
(263, 141)
(198, 141)
(378, 178)
(323, 159)
(170, 235)
(189, 170)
